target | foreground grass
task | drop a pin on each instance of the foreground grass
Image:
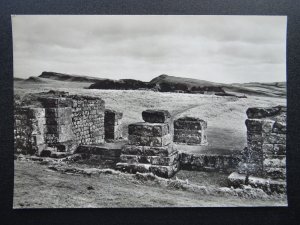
(36, 186)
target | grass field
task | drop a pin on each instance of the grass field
(37, 186)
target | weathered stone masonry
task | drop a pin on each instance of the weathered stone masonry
(29, 129)
(62, 121)
(88, 119)
(112, 124)
(150, 147)
(59, 123)
(190, 131)
(264, 159)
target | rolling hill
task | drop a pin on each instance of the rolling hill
(166, 83)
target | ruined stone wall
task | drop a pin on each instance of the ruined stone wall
(209, 162)
(112, 125)
(265, 154)
(150, 147)
(190, 131)
(29, 129)
(60, 121)
(87, 119)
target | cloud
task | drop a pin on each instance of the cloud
(216, 48)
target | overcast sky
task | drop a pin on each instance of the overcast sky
(215, 48)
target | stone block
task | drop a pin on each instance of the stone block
(190, 123)
(159, 151)
(255, 137)
(279, 128)
(275, 172)
(133, 168)
(149, 141)
(236, 180)
(148, 151)
(164, 171)
(99, 150)
(189, 139)
(268, 185)
(254, 125)
(65, 112)
(161, 171)
(154, 160)
(55, 102)
(132, 150)
(275, 162)
(156, 116)
(267, 126)
(263, 112)
(274, 138)
(148, 129)
(279, 149)
(268, 149)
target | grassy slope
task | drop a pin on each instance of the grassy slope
(225, 115)
(39, 187)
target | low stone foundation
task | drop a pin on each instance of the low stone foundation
(206, 162)
(103, 152)
(268, 185)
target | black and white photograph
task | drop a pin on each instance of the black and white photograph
(139, 111)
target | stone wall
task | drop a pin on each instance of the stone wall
(29, 129)
(265, 154)
(264, 157)
(190, 131)
(112, 125)
(87, 119)
(150, 147)
(58, 121)
(209, 162)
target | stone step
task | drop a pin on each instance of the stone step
(106, 149)
(161, 171)
(149, 151)
(268, 185)
(153, 160)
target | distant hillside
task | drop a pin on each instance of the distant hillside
(123, 84)
(274, 89)
(188, 81)
(18, 79)
(165, 83)
(67, 77)
(162, 83)
(35, 80)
